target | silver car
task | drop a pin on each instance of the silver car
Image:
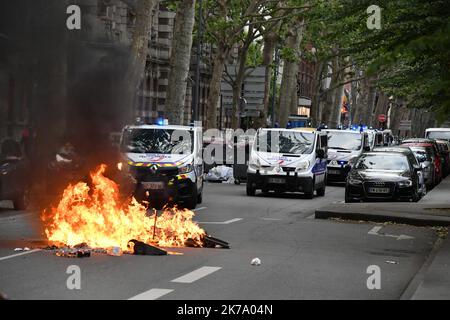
(426, 161)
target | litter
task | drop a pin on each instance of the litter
(391, 262)
(18, 249)
(220, 173)
(256, 262)
(141, 248)
(114, 251)
(73, 253)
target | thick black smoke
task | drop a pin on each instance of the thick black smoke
(73, 80)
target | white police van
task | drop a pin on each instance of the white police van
(288, 160)
(165, 162)
(343, 147)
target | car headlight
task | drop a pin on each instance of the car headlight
(186, 169)
(302, 166)
(354, 181)
(405, 184)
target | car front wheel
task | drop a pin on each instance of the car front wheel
(22, 201)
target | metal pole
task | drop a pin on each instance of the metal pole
(221, 111)
(196, 96)
(274, 98)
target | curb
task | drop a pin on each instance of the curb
(414, 219)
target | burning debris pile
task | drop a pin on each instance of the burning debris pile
(95, 217)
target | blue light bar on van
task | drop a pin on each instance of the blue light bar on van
(358, 128)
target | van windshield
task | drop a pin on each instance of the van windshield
(341, 140)
(162, 141)
(289, 142)
(444, 135)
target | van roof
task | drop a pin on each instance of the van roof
(347, 131)
(306, 129)
(171, 127)
(437, 129)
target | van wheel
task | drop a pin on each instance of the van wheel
(321, 192)
(22, 201)
(191, 203)
(251, 190)
(310, 194)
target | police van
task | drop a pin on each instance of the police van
(165, 162)
(288, 160)
(343, 147)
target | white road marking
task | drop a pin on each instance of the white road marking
(196, 274)
(374, 232)
(199, 209)
(19, 254)
(151, 294)
(224, 222)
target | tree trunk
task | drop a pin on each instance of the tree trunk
(317, 83)
(332, 106)
(288, 88)
(180, 61)
(214, 86)
(139, 50)
(237, 87)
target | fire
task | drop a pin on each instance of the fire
(96, 216)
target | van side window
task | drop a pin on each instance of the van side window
(323, 142)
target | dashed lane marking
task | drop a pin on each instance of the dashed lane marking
(224, 222)
(19, 254)
(151, 294)
(196, 274)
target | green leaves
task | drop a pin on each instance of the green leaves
(409, 54)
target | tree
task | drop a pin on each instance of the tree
(291, 57)
(180, 61)
(139, 49)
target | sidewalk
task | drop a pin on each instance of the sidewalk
(433, 283)
(436, 282)
(432, 210)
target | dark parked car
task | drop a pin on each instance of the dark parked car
(14, 175)
(444, 151)
(384, 176)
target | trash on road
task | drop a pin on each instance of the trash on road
(391, 262)
(114, 251)
(144, 249)
(256, 262)
(18, 249)
(73, 253)
(207, 242)
(220, 173)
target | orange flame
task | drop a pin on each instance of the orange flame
(98, 218)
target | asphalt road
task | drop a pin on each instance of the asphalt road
(301, 258)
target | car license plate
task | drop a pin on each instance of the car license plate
(334, 172)
(277, 180)
(153, 185)
(379, 190)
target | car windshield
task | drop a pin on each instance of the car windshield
(162, 141)
(289, 142)
(444, 135)
(344, 140)
(383, 162)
